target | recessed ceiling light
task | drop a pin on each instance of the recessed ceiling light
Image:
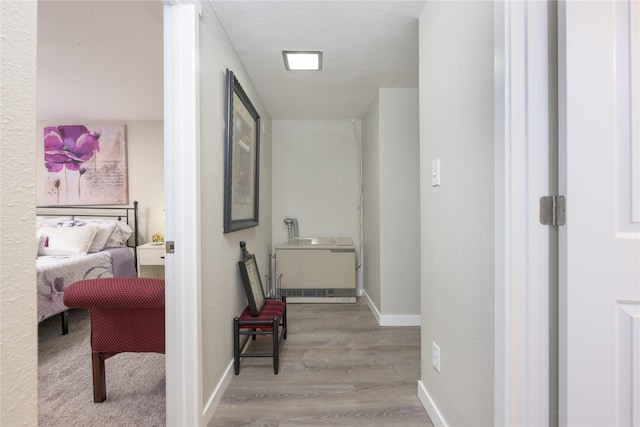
(302, 60)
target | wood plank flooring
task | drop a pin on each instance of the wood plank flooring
(337, 367)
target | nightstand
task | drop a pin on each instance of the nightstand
(151, 261)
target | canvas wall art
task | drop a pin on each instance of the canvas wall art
(242, 159)
(85, 165)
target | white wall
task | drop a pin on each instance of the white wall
(145, 167)
(457, 218)
(392, 205)
(399, 202)
(222, 295)
(371, 201)
(18, 325)
(146, 174)
(315, 178)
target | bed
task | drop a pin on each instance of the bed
(81, 242)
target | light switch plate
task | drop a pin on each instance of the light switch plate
(435, 356)
(435, 173)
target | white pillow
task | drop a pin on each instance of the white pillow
(38, 244)
(54, 221)
(104, 230)
(119, 232)
(66, 240)
(120, 235)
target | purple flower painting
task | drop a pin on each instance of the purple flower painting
(85, 165)
(69, 147)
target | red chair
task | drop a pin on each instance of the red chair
(127, 315)
(263, 316)
(272, 320)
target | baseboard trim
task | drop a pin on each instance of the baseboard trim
(372, 306)
(392, 319)
(430, 406)
(216, 396)
(401, 320)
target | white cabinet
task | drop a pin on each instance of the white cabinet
(151, 260)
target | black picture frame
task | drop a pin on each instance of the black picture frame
(252, 284)
(242, 159)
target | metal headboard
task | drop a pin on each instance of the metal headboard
(127, 214)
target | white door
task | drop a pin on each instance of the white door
(600, 245)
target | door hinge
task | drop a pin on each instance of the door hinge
(552, 210)
(170, 247)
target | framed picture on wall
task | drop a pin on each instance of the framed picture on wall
(252, 284)
(85, 165)
(242, 158)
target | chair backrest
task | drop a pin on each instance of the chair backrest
(251, 281)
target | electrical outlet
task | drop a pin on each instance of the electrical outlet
(435, 356)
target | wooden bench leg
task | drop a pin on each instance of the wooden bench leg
(236, 345)
(65, 322)
(99, 381)
(284, 322)
(276, 347)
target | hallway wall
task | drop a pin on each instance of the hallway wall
(222, 292)
(457, 217)
(371, 201)
(392, 206)
(315, 179)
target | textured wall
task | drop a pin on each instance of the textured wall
(456, 126)
(18, 341)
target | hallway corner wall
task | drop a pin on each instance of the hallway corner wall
(391, 207)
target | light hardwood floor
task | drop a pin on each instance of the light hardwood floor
(337, 367)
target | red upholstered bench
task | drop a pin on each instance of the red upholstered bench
(127, 315)
(263, 316)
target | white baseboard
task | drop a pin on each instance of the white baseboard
(430, 406)
(216, 396)
(401, 320)
(392, 319)
(372, 306)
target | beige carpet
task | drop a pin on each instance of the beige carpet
(135, 381)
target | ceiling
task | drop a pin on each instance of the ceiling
(104, 59)
(365, 45)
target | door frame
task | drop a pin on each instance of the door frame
(182, 213)
(521, 360)
(521, 85)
